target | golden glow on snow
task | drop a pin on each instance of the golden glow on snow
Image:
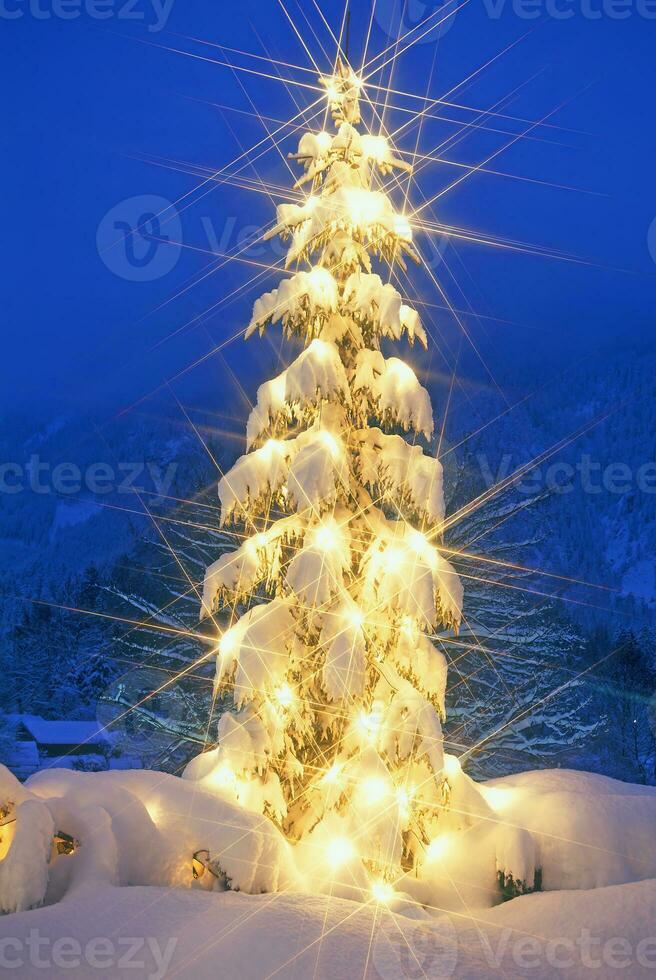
(6, 837)
(284, 695)
(382, 892)
(438, 847)
(325, 537)
(227, 643)
(374, 789)
(339, 851)
(329, 440)
(333, 774)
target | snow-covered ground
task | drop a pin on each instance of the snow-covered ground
(158, 932)
(125, 903)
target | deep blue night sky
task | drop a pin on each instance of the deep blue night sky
(90, 104)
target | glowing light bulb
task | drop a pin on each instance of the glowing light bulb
(254, 544)
(332, 91)
(284, 695)
(438, 847)
(363, 207)
(382, 892)
(227, 643)
(375, 147)
(422, 547)
(356, 618)
(223, 777)
(417, 541)
(320, 277)
(374, 789)
(497, 798)
(319, 348)
(271, 447)
(403, 372)
(333, 774)
(392, 559)
(325, 538)
(403, 799)
(402, 227)
(339, 851)
(331, 443)
(451, 766)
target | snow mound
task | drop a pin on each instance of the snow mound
(130, 828)
(563, 831)
(201, 935)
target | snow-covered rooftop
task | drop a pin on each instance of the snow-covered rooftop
(61, 732)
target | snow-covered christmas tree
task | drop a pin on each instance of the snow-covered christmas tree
(329, 774)
(337, 689)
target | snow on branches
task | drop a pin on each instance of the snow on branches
(390, 466)
(319, 152)
(344, 642)
(404, 574)
(302, 303)
(334, 692)
(315, 374)
(380, 308)
(365, 215)
(394, 393)
(254, 653)
(317, 570)
(305, 302)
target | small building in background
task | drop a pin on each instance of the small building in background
(43, 744)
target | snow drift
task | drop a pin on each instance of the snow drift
(580, 831)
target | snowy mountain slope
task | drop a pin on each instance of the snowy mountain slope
(517, 679)
(606, 510)
(515, 695)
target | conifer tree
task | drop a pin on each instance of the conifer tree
(336, 687)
